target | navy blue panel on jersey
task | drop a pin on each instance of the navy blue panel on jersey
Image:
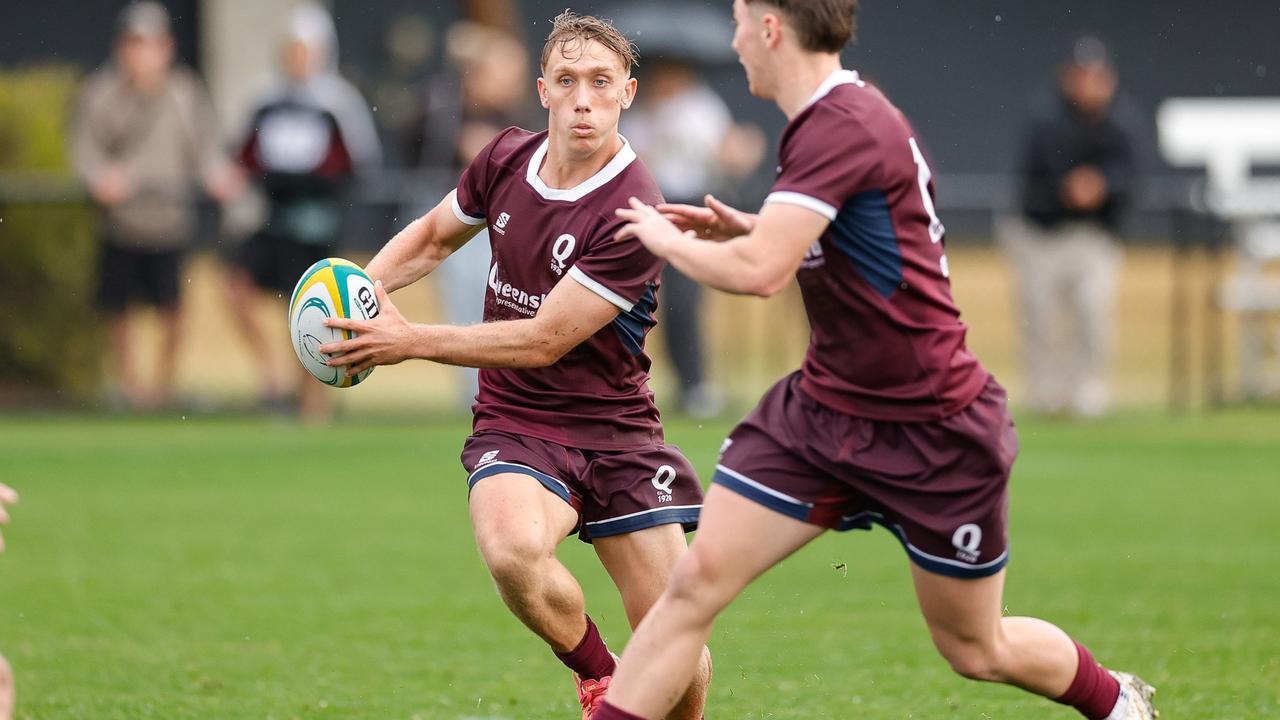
(632, 324)
(863, 230)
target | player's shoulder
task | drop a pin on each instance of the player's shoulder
(848, 108)
(514, 144)
(636, 180)
(855, 123)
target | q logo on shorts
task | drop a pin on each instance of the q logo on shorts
(561, 251)
(662, 481)
(967, 539)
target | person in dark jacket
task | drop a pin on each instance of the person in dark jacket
(1077, 176)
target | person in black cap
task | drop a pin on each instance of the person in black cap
(1077, 174)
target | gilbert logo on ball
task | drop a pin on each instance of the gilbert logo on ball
(331, 288)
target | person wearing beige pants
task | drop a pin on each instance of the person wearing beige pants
(1066, 279)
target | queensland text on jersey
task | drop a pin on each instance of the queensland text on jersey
(597, 396)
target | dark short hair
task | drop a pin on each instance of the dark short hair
(823, 25)
(569, 28)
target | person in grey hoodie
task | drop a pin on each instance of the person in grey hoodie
(310, 136)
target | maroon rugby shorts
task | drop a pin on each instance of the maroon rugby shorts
(940, 486)
(614, 492)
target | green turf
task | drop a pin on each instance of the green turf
(232, 568)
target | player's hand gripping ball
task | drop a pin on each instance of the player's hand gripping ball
(330, 288)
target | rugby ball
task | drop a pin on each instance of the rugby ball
(331, 288)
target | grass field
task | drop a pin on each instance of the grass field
(234, 568)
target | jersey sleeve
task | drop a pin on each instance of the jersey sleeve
(473, 187)
(823, 163)
(620, 271)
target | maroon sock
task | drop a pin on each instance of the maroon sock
(590, 659)
(1093, 691)
(609, 712)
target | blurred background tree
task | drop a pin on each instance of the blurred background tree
(49, 339)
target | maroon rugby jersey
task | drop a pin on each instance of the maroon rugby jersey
(886, 338)
(597, 396)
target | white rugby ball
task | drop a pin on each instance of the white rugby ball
(331, 288)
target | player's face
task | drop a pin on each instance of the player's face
(748, 42)
(585, 87)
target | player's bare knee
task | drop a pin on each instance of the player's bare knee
(512, 562)
(694, 584)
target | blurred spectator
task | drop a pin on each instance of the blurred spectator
(309, 136)
(484, 91)
(145, 133)
(1077, 175)
(688, 139)
(7, 497)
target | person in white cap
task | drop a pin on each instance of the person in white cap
(310, 135)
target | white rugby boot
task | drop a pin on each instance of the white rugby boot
(1135, 698)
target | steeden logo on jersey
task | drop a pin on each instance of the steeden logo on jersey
(814, 257)
(509, 296)
(500, 225)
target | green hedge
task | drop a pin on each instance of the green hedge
(50, 342)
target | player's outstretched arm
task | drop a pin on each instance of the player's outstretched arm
(761, 262)
(570, 314)
(8, 496)
(421, 246)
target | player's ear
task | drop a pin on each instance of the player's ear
(771, 29)
(629, 92)
(542, 93)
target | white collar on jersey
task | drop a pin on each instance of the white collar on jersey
(839, 77)
(610, 171)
